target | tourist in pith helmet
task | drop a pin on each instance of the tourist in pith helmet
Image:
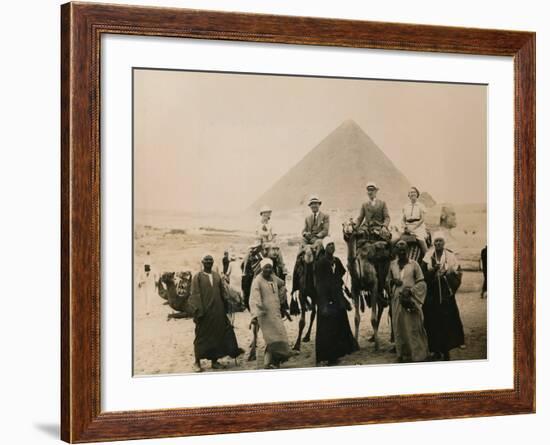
(374, 216)
(264, 231)
(316, 226)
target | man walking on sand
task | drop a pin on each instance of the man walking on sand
(214, 335)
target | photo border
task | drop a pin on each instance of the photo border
(81, 28)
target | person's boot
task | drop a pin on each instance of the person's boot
(197, 367)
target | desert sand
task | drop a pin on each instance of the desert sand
(176, 242)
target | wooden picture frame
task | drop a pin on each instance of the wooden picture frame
(82, 26)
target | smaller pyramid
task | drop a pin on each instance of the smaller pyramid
(427, 199)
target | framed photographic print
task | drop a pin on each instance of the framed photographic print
(274, 222)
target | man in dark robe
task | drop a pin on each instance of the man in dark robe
(214, 335)
(334, 338)
(441, 316)
(484, 270)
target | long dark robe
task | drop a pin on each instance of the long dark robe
(250, 267)
(484, 268)
(441, 315)
(334, 338)
(214, 335)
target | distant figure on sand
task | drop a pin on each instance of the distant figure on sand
(233, 272)
(316, 226)
(408, 291)
(146, 283)
(441, 315)
(214, 335)
(334, 338)
(374, 217)
(267, 296)
(225, 261)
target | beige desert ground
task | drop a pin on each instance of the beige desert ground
(176, 242)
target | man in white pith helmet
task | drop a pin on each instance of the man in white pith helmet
(265, 234)
(316, 226)
(264, 231)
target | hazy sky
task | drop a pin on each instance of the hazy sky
(216, 142)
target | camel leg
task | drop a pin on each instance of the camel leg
(357, 318)
(392, 336)
(374, 323)
(301, 325)
(252, 353)
(311, 320)
(376, 317)
(372, 314)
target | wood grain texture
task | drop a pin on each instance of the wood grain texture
(81, 28)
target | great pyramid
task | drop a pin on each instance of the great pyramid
(337, 170)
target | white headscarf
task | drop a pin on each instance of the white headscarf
(327, 240)
(266, 261)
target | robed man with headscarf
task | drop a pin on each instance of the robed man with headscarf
(214, 335)
(408, 291)
(267, 300)
(441, 315)
(334, 338)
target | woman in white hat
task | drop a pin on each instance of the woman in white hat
(267, 295)
(413, 219)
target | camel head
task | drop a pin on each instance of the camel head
(167, 277)
(182, 281)
(308, 254)
(273, 252)
(348, 228)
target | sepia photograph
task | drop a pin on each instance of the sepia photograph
(286, 221)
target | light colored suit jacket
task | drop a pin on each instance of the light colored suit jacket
(320, 228)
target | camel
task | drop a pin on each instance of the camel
(368, 265)
(175, 288)
(303, 284)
